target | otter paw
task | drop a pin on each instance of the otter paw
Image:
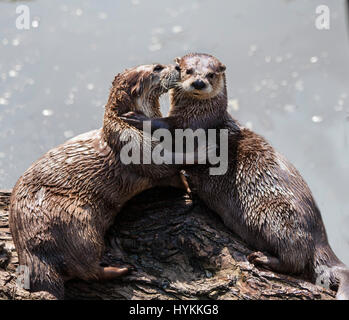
(131, 114)
(258, 258)
(110, 273)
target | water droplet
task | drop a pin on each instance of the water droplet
(177, 29)
(2, 155)
(68, 133)
(252, 50)
(47, 112)
(267, 59)
(234, 104)
(3, 101)
(35, 23)
(135, 2)
(338, 108)
(158, 31)
(15, 42)
(78, 12)
(5, 42)
(90, 86)
(155, 47)
(317, 119)
(12, 73)
(69, 102)
(289, 108)
(274, 86)
(299, 85)
(102, 15)
(317, 97)
(314, 59)
(278, 59)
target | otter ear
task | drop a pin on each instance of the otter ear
(221, 68)
(177, 60)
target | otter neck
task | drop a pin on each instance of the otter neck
(199, 113)
(119, 103)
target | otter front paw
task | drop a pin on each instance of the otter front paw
(268, 262)
(134, 119)
(110, 273)
(258, 258)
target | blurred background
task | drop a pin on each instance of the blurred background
(287, 80)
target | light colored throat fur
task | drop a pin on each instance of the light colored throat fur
(149, 106)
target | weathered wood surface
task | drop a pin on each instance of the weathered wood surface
(178, 250)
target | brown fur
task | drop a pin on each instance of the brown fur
(63, 204)
(261, 197)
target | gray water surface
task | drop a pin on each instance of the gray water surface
(286, 80)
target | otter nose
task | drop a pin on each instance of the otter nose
(198, 84)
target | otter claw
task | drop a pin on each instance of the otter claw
(257, 258)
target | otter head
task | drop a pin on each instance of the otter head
(201, 76)
(145, 85)
(137, 89)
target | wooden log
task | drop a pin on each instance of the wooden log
(178, 249)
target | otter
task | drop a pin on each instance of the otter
(262, 197)
(63, 204)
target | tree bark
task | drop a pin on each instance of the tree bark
(178, 249)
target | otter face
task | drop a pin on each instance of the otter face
(202, 75)
(154, 79)
(147, 83)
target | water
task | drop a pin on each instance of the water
(286, 79)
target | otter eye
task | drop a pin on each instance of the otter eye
(158, 68)
(210, 75)
(178, 68)
(189, 71)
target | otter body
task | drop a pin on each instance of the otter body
(63, 204)
(261, 197)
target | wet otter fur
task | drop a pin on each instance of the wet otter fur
(63, 204)
(262, 197)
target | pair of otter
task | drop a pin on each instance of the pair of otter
(62, 205)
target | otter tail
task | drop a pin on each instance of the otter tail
(44, 277)
(331, 273)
